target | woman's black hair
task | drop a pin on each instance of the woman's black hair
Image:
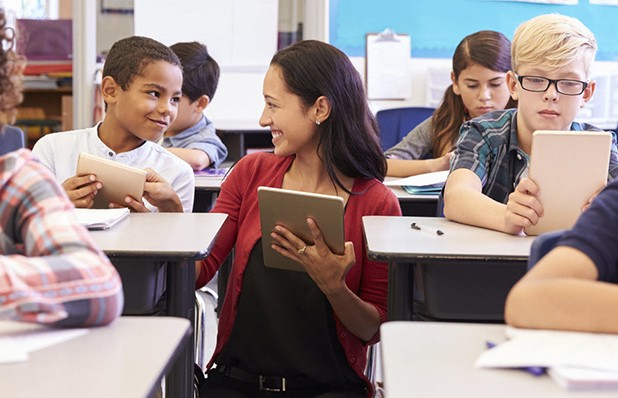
(349, 137)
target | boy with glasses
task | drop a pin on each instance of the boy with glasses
(551, 57)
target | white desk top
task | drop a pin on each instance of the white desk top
(125, 359)
(392, 239)
(177, 235)
(427, 359)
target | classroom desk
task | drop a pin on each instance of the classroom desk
(436, 359)
(416, 205)
(465, 274)
(125, 359)
(207, 189)
(206, 192)
(179, 239)
(240, 135)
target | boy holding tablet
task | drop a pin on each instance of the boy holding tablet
(192, 137)
(141, 87)
(550, 77)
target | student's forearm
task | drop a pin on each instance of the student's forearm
(472, 207)
(197, 159)
(405, 168)
(563, 303)
(359, 317)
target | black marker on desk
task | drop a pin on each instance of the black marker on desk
(426, 228)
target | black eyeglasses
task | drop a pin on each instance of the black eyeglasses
(540, 84)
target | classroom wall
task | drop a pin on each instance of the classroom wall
(112, 27)
(435, 34)
(437, 26)
(239, 100)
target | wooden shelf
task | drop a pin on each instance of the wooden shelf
(45, 110)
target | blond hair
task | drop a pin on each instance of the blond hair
(553, 40)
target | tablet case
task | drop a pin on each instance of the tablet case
(291, 209)
(119, 180)
(568, 167)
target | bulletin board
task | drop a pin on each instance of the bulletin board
(436, 27)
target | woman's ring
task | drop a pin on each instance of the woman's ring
(302, 250)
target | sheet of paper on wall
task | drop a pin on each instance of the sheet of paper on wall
(387, 59)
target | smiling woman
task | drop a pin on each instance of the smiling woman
(325, 142)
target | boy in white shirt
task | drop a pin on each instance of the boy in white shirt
(141, 87)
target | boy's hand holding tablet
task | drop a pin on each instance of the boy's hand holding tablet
(100, 183)
(159, 193)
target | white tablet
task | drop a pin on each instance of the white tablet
(119, 180)
(291, 209)
(568, 167)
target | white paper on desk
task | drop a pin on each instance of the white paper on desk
(550, 348)
(96, 219)
(573, 378)
(11, 352)
(15, 347)
(420, 180)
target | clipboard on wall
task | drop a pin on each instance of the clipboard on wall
(387, 65)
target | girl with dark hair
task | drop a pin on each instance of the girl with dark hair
(480, 63)
(305, 333)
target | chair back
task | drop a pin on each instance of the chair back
(542, 244)
(11, 139)
(396, 123)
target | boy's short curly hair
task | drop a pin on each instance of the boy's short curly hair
(128, 57)
(553, 40)
(200, 74)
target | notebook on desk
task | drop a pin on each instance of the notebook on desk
(568, 167)
(574, 360)
(421, 184)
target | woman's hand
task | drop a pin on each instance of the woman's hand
(326, 268)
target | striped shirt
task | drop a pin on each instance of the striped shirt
(488, 146)
(50, 270)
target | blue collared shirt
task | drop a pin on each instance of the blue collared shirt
(200, 136)
(488, 146)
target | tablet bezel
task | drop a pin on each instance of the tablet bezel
(291, 209)
(119, 180)
(568, 167)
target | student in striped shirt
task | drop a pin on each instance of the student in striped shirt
(50, 270)
(488, 185)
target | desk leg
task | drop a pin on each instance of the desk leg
(181, 303)
(400, 291)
